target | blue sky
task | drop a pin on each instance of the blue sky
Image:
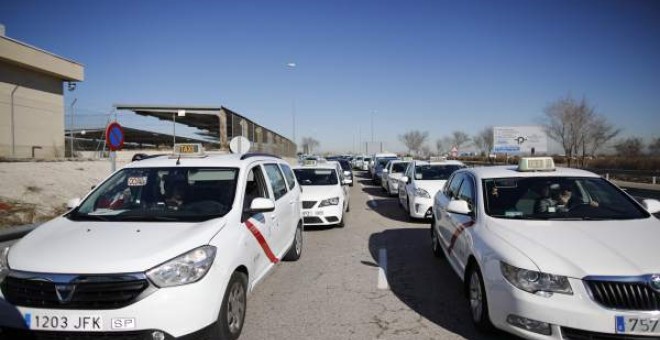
(435, 66)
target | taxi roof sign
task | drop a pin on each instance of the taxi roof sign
(536, 164)
(188, 150)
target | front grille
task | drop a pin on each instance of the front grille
(308, 204)
(312, 220)
(73, 291)
(578, 334)
(624, 295)
(12, 334)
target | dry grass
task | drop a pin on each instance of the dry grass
(14, 213)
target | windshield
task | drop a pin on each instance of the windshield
(542, 198)
(399, 167)
(383, 161)
(161, 194)
(316, 176)
(367, 159)
(435, 171)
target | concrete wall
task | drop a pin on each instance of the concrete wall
(38, 104)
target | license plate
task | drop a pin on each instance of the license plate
(636, 325)
(313, 213)
(63, 323)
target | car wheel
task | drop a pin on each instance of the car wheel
(387, 187)
(348, 206)
(232, 313)
(409, 208)
(342, 222)
(478, 302)
(435, 242)
(293, 254)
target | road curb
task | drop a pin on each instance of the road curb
(12, 233)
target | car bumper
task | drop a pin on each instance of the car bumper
(323, 216)
(175, 311)
(420, 207)
(577, 315)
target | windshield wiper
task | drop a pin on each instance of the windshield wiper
(146, 218)
(87, 217)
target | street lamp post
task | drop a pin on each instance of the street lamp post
(292, 66)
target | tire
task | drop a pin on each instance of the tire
(387, 187)
(435, 241)
(342, 222)
(409, 210)
(477, 300)
(348, 207)
(293, 254)
(232, 312)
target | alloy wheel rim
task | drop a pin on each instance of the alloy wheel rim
(476, 299)
(236, 307)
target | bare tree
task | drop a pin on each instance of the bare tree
(460, 138)
(413, 140)
(577, 127)
(309, 144)
(425, 151)
(443, 145)
(629, 147)
(654, 147)
(484, 140)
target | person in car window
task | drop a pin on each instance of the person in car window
(546, 203)
(176, 196)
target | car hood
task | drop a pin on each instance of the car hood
(432, 187)
(320, 192)
(582, 248)
(82, 247)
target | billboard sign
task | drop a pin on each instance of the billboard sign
(520, 139)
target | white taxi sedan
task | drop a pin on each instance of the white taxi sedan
(549, 253)
(325, 194)
(420, 182)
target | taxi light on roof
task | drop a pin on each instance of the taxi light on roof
(188, 150)
(536, 164)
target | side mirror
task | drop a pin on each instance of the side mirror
(459, 207)
(405, 179)
(73, 203)
(385, 171)
(261, 205)
(651, 205)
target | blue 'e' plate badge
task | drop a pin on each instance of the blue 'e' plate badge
(28, 320)
(620, 324)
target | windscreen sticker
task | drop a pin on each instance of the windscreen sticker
(513, 213)
(137, 181)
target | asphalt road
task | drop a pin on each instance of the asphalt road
(333, 291)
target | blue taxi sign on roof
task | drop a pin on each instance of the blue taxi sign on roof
(114, 136)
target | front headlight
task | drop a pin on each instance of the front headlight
(535, 282)
(4, 263)
(419, 192)
(184, 269)
(329, 201)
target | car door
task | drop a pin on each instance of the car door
(403, 196)
(458, 224)
(261, 224)
(344, 188)
(283, 208)
(410, 186)
(293, 197)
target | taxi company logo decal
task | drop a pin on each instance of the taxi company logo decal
(461, 228)
(250, 224)
(64, 292)
(654, 282)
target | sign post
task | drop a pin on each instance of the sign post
(114, 137)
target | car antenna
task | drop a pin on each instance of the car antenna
(178, 160)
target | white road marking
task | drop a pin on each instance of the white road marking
(382, 269)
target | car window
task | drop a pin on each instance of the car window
(435, 171)
(290, 177)
(466, 192)
(276, 180)
(255, 186)
(543, 198)
(399, 167)
(161, 194)
(453, 186)
(313, 176)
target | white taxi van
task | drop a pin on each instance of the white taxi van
(167, 247)
(421, 181)
(325, 194)
(551, 253)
